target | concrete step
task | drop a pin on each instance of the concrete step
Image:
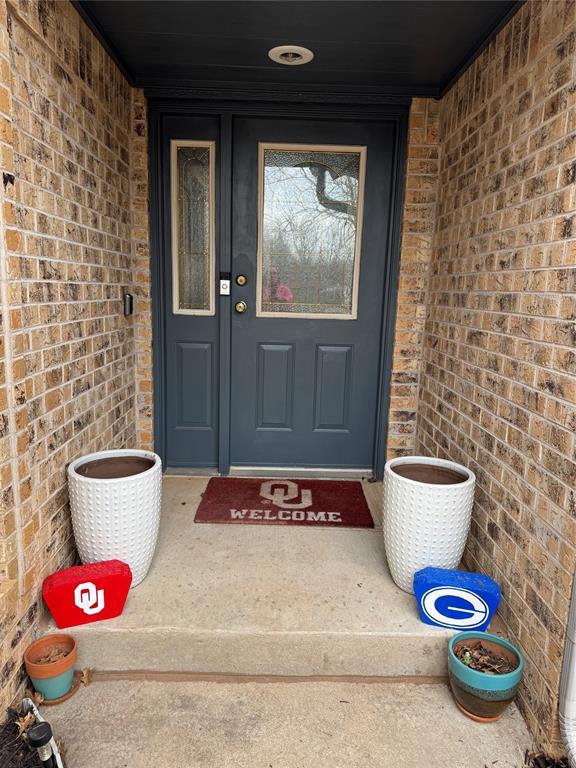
(329, 725)
(264, 600)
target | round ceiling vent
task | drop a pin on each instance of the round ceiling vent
(291, 55)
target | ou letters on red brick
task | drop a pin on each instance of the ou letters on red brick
(86, 593)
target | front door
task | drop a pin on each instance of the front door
(307, 238)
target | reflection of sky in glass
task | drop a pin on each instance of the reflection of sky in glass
(309, 231)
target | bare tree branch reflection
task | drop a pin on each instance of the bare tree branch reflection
(310, 211)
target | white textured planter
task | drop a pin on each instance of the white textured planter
(424, 524)
(117, 519)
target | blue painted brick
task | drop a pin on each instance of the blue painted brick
(456, 599)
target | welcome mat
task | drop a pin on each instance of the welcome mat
(337, 503)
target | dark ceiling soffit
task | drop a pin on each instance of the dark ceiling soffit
(95, 27)
(270, 92)
(266, 92)
(471, 58)
(227, 91)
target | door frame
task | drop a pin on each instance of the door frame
(257, 103)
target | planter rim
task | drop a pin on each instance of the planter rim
(488, 682)
(433, 461)
(73, 466)
(53, 668)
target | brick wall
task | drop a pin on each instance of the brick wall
(498, 390)
(418, 219)
(142, 272)
(11, 534)
(73, 227)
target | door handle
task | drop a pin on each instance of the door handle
(240, 307)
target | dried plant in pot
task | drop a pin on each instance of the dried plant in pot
(484, 672)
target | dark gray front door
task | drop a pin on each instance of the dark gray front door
(309, 234)
(307, 231)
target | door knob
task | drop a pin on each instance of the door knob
(241, 280)
(240, 307)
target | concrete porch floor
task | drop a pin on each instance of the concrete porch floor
(264, 600)
(299, 725)
(271, 601)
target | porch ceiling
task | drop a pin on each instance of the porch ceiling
(414, 48)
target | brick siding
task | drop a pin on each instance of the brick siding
(73, 227)
(418, 219)
(498, 389)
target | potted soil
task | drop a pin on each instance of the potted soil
(426, 515)
(485, 672)
(115, 499)
(50, 663)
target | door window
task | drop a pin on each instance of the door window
(310, 224)
(192, 193)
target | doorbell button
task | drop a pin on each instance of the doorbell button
(224, 287)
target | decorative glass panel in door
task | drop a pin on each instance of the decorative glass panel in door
(192, 171)
(310, 225)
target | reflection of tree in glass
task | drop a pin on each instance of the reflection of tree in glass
(310, 207)
(321, 173)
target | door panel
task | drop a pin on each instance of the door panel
(190, 155)
(275, 386)
(195, 385)
(305, 382)
(333, 385)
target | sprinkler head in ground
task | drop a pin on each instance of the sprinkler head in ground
(39, 737)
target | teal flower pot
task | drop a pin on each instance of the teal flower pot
(54, 687)
(480, 696)
(53, 679)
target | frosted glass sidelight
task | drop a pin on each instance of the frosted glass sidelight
(193, 227)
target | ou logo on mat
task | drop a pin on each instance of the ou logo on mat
(454, 607)
(281, 494)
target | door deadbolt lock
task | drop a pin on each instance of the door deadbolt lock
(241, 280)
(240, 307)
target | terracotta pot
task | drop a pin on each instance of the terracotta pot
(55, 679)
(482, 697)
